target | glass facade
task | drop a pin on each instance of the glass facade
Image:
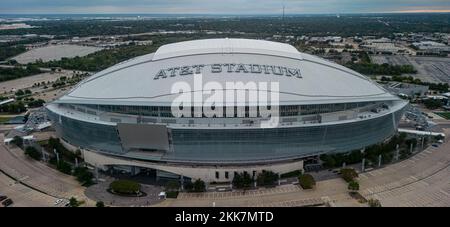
(239, 145)
(165, 111)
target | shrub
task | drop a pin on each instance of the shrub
(64, 167)
(374, 203)
(349, 174)
(295, 173)
(267, 178)
(18, 141)
(199, 186)
(188, 186)
(172, 194)
(172, 186)
(125, 187)
(353, 185)
(306, 181)
(100, 204)
(33, 153)
(73, 202)
(242, 180)
(83, 175)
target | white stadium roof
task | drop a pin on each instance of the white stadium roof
(225, 46)
(133, 82)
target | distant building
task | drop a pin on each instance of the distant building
(382, 46)
(431, 48)
(325, 39)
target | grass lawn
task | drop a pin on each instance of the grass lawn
(4, 119)
(445, 115)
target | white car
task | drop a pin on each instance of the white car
(58, 201)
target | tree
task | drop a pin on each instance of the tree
(100, 204)
(266, 178)
(306, 181)
(188, 186)
(173, 185)
(374, 203)
(432, 103)
(33, 153)
(438, 137)
(19, 93)
(64, 167)
(83, 175)
(348, 174)
(242, 180)
(18, 141)
(199, 186)
(353, 185)
(73, 202)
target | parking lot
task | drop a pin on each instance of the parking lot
(429, 69)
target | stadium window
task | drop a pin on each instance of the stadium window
(226, 175)
(217, 174)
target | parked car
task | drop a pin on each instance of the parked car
(58, 201)
(7, 202)
(3, 197)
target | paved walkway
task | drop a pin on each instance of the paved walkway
(98, 192)
(285, 195)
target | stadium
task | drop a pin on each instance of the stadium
(122, 118)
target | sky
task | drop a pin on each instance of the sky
(220, 6)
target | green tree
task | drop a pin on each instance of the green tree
(33, 153)
(18, 141)
(349, 174)
(353, 185)
(83, 175)
(100, 204)
(188, 186)
(173, 185)
(199, 186)
(432, 103)
(73, 202)
(374, 203)
(242, 180)
(19, 93)
(267, 178)
(306, 181)
(64, 167)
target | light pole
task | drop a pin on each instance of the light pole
(363, 160)
(379, 161)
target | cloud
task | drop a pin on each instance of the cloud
(219, 6)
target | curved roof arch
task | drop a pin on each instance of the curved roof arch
(318, 81)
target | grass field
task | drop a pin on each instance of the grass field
(4, 119)
(445, 115)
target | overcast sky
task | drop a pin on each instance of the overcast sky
(222, 6)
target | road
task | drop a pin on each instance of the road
(37, 175)
(422, 180)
